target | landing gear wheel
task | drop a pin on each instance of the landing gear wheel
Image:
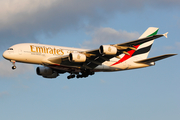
(70, 76)
(13, 62)
(13, 67)
(78, 76)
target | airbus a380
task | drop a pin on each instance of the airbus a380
(56, 60)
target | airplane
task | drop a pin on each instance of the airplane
(81, 63)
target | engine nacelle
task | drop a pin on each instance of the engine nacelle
(107, 50)
(46, 72)
(54, 75)
(77, 57)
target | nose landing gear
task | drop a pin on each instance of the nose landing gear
(14, 66)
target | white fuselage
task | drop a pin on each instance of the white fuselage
(38, 53)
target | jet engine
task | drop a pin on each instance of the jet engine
(54, 75)
(107, 50)
(46, 72)
(77, 57)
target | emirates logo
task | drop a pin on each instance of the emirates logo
(78, 56)
(109, 49)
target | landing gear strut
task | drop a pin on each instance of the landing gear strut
(14, 66)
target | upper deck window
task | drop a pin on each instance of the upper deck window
(10, 48)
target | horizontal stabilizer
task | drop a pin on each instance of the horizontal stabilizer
(153, 59)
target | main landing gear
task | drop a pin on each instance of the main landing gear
(70, 76)
(83, 74)
(14, 66)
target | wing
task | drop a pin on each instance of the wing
(95, 58)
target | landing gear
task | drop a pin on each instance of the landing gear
(78, 76)
(83, 74)
(14, 66)
(70, 76)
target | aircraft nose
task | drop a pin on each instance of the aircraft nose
(5, 54)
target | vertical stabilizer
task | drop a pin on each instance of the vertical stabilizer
(144, 49)
(149, 32)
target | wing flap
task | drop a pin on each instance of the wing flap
(153, 59)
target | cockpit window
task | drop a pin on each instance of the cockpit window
(10, 48)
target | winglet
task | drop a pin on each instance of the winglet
(165, 34)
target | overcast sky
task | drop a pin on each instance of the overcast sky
(150, 93)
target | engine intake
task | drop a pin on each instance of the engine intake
(77, 57)
(107, 50)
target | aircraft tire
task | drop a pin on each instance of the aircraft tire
(13, 67)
